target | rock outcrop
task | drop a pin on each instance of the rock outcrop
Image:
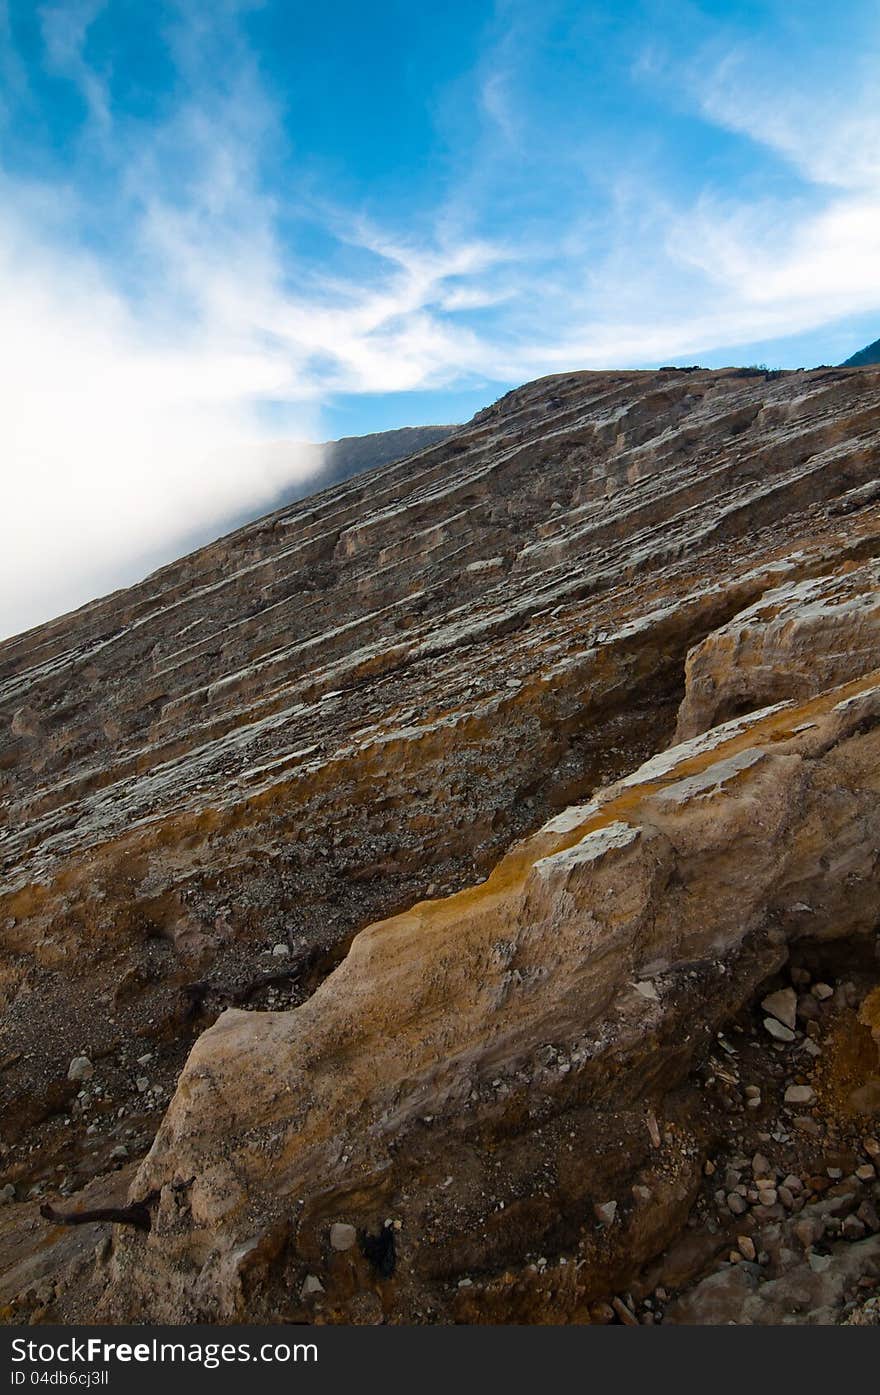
(410, 849)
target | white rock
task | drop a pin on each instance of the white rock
(311, 1284)
(280, 951)
(142, 1084)
(647, 990)
(80, 1068)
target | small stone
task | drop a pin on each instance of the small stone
(7, 1194)
(762, 1213)
(804, 1124)
(642, 1195)
(746, 1246)
(767, 1196)
(786, 1197)
(822, 991)
(80, 1068)
(311, 1285)
(867, 1213)
(819, 1263)
(793, 1183)
(653, 1128)
(866, 1173)
(737, 1204)
(142, 1084)
(800, 1094)
(605, 1212)
(753, 1092)
(342, 1236)
(601, 1314)
(778, 1031)
(782, 1005)
(871, 1147)
(807, 1008)
(835, 1173)
(647, 990)
(806, 1231)
(119, 1153)
(627, 1317)
(761, 1166)
(709, 1168)
(465, 1283)
(854, 1229)
(145, 1059)
(280, 951)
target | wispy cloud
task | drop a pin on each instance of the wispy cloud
(134, 389)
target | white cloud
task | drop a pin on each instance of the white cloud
(131, 418)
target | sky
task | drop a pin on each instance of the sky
(229, 226)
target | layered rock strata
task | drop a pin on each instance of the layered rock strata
(422, 703)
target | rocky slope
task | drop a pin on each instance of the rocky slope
(406, 872)
(327, 463)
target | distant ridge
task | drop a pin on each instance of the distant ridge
(870, 354)
(331, 463)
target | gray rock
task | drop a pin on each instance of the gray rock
(854, 1229)
(808, 1008)
(605, 1212)
(311, 1285)
(782, 1005)
(342, 1235)
(777, 1030)
(800, 1094)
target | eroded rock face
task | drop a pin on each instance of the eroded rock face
(796, 640)
(437, 702)
(717, 844)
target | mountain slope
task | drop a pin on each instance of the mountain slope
(355, 855)
(870, 354)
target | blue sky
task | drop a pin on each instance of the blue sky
(228, 226)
